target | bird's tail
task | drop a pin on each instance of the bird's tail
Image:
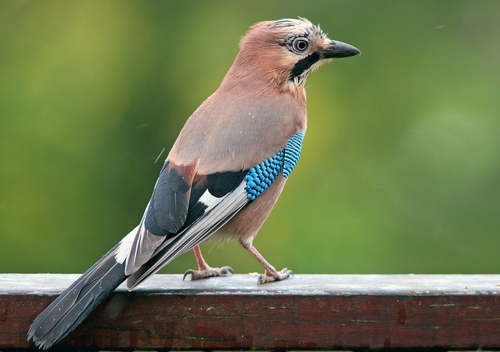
(73, 305)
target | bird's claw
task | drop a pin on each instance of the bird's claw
(189, 271)
(208, 272)
(278, 276)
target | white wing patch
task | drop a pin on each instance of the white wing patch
(142, 248)
(123, 250)
(209, 200)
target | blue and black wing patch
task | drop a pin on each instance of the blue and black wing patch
(292, 153)
(260, 177)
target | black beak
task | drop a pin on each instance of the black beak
(338, 49)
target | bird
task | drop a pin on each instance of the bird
(223, 175)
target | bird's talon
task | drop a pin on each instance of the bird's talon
(188, 272)
(226, 269)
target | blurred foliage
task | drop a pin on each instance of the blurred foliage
(400, 171)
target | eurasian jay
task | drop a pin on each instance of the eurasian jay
(223, 175)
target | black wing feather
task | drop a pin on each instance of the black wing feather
(169, 203)
(221, 183)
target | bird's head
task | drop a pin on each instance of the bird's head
(282, 53)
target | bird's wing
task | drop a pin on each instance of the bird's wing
(215, 199)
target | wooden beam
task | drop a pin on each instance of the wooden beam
(306, 312)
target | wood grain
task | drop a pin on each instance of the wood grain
(306, 312)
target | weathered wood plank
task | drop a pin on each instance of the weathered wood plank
(306, 312)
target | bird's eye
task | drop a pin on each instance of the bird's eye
(300, 44)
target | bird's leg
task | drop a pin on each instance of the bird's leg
(204, 270)
(271, 274)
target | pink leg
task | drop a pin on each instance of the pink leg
(270, 274)
(204, 270)
(202, 264)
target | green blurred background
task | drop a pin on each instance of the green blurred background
(400, 171)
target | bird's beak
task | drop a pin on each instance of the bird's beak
(338, 49)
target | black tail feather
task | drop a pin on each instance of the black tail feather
(73, 305)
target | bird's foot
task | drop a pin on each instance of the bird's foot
(208, 272)
(275, 276)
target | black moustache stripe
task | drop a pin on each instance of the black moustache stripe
(304, 65)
